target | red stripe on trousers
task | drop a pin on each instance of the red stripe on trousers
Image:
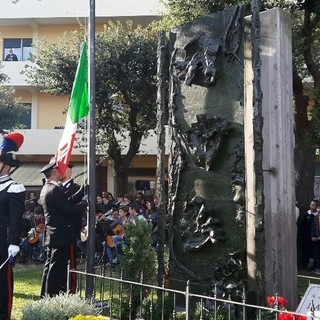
(73, 276)
(9, 288)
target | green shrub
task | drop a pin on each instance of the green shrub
(138, 257)
(82, 317)
(60, 307)
(221, 314)
(157, 308)
(125, 309)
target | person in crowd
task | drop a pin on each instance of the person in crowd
(140, 200)
(102, 224)
(12, 206)
(315, 238)
(99, 204)
(74, 193)
(120, 199)
(119, 242)
(151, 216)
(31, 202)
(59, 214)
(82, 242)
(100, 231)
(110, 202)
(156, 200)
(304, 231)
(11, 56)
(40, 228)
(151, 212)
(106, 205)
(115, 230)
(127, 199)
(134, 212)
(32, 244)
(26, 223)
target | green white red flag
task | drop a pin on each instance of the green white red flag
(78, 109)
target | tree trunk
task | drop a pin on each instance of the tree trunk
(122, 162)
(121, 177)
(304, 152)
(305, 171)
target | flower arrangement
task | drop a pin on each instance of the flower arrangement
(82, 317)
(280, 303)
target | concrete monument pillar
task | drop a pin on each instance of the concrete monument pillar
(271, 236)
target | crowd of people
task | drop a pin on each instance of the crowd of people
(112, 214)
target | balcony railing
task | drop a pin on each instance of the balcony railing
(13, 70)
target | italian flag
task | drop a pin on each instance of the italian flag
(78, 109)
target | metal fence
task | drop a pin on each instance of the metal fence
(121, 299)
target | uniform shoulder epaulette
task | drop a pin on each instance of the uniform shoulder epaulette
(6, 184)
(16, 188)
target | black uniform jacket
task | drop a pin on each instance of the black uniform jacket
(75, 193)
(59, 214)
(12, 197)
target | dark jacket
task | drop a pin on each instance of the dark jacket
(315, 230)
(75, 193)
(59, 214)
(12, 197)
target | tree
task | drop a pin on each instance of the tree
(306, 59)
(10, 109)
(125, 86)
(306, 27)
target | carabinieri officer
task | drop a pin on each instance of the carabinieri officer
(12, 198)
(74, 193)
(59, 214)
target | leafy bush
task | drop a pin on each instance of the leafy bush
(138, 257)
(205, 314)
(157, 308)
(125, 309)
(60, 307)
(82, 317)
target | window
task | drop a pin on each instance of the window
(21, 47)
(25, 117)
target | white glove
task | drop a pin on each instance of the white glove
(13, 250)
(85, 198)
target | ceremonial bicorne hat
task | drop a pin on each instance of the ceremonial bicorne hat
(10, 144)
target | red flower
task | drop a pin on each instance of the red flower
(282, 302)
(285, 316)
(271, 301)
(289, 316)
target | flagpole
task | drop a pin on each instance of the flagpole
(91, 163)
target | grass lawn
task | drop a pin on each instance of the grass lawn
(27, 284)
